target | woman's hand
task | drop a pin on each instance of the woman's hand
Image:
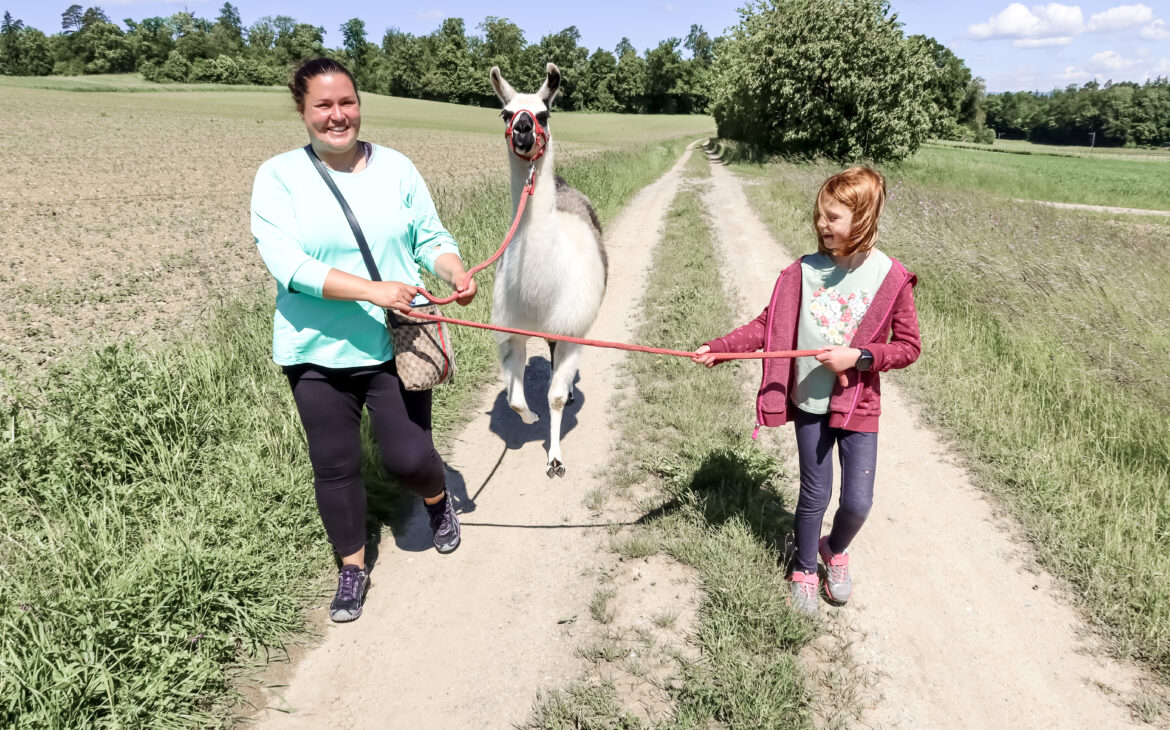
(704, 356)
(449, 267)
(465, 289)
(391, 295)
(838, 360)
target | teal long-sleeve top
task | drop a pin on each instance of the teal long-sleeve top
(302, 233)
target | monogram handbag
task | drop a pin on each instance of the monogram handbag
(423, 353)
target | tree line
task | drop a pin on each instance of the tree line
(834, 78)
(1124, 114)
(448, 64)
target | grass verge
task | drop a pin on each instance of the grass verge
(1044, 335)
(159, 529)
(713, 500)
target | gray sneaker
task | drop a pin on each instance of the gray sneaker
(444, 525)
(838, 584)
(352, 584)
(802, 595)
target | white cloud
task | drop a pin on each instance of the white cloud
(1110, 61)
(1122, 16)
(1041, 21)
(1063, 40)
(668, 8)
(1071, 73)
(1054, 24)
(430, 14)
(1156, 31)
(1162, 70)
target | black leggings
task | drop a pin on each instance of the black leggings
(330, 403)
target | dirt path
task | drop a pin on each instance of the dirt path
(959, 627)
(1095, 208)
(466, 640)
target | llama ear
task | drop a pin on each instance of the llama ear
(503, 89)
(552, 83)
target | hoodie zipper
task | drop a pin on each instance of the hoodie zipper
(857, 388)
(764, 363)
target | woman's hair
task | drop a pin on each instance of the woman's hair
(311, 68)
(862, 191)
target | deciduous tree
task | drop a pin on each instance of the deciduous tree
(829, 78)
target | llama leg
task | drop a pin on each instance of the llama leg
(513, 356)
(552, 357)
(560, 392)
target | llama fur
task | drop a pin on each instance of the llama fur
(552, 276)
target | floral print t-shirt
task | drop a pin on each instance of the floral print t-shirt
(833, 300)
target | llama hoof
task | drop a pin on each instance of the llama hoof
(526, 415)
(570, 399)
(555, 469)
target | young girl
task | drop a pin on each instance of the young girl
(856, 305)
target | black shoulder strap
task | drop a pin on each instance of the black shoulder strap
(353, 224)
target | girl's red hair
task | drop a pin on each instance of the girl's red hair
(863, 191)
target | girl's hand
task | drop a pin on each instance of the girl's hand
(465, 289)
(838, 360)
(704, 356)
(392, 295)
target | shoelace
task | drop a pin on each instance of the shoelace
(347, 584)
(839, 573)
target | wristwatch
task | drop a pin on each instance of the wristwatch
(864, 360)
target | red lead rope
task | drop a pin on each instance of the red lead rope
(527, 193)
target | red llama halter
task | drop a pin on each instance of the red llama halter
(540, 132)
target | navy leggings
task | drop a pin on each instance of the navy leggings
(858, 452)
(330, 403)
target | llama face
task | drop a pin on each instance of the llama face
(526, 115)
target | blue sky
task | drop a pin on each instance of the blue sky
(1013, 46)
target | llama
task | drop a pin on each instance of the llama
(552, 276)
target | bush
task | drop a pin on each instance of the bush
(175, 68)
(220, 70)
(253, 72)
(832, 79)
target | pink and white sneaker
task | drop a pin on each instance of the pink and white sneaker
(802, 594)
(838, 584)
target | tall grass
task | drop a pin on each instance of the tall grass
(716, 501)
(1045, 343)
(159, 527)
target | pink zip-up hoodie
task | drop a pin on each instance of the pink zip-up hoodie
(889, 330)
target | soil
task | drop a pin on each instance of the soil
(952, 624)
(1096, 208)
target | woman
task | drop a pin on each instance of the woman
(329, 333)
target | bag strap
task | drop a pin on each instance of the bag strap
(353, 224)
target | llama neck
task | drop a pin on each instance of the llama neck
(541, 207)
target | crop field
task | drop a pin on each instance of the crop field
(129, 213)
(149, 449)
(1044, 354)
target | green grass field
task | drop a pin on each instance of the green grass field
(274, 103)
(156, 505)
(1045, 337)
(1113, 180)
(1022, 147)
